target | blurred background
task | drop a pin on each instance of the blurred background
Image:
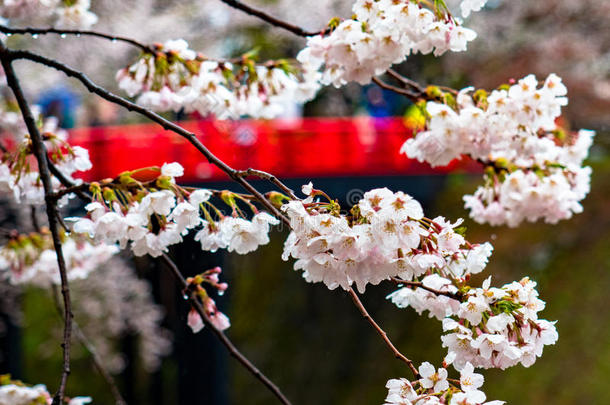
(311, 341)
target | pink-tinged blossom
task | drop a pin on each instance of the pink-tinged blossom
(434, 388)
(194, 321)
(226, 90)
(538, 175)
(380, 34)
(432, 378)
(389, 237)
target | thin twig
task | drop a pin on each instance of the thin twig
(382, 333)
(404, 80)
(66, 182)
(271, 19)
(407, 93)
(34, 218)
(52, 211)
(97, 362)
(165, 124)
(221, 336)
(269, 177)
(72, 188)
(455, 296)
(44, 31)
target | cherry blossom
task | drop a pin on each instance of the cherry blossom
(534, 169)
(217, 318)
(178, 78)
(386, 235)
(486, 327)
(17, 393)
(19, 177)
(381, 34)
(69, 14)
(155, 219)
(435, 388)
(32, 259)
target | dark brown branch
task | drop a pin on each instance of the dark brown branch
(52, 212)
(269, 177)
(34, 218)
(407, 93)
(225, 341)
(221, 336)
(95, 358)
(65, 182)
(271, 19)
(165, 124)
(72, 188)
(45, 31)
(406, 81)
(382, 333)
(417, 284)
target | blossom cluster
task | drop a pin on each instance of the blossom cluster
(17, 393)
(488, 327)
(434, 388)
(217, 318)
(31, 259)
(385, 235)
(151, 217)
(177, 78)
(68, 13)
(18, 175)
(534, 168)
(382, 33)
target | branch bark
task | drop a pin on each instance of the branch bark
(45, 31)
(233, 351)
(277, 22)
(52, 211)
(165, 124)
(95, 358)
(455, 296)
(382, 333)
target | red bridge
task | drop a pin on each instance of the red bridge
(296, 148)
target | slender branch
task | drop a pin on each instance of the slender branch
(269, 177)
(404, 80)
(95, 358)
(34, 218)
(455, 296)
(221, 336)
(277, 22)
(72, 188)
(382, 333)
(165, 124)
(52, 211)
(44, 31)
(407, 93)
(66, 182)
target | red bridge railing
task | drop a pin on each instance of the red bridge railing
(320, 147)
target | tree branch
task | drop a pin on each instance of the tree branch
(413, 96)
(97, 362)
(382, 333)
(165, 124)
(45, 31)
(52, 212)
(455, 296)
(233, 351)
(269, 177)
(406, 81)
(271, 19)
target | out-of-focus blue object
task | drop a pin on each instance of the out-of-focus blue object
(383, 103)
(60, 102)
